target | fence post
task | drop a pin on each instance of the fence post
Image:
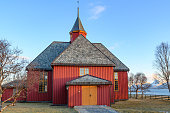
(150, 96)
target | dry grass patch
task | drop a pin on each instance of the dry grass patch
(38, 108)
(142, 106)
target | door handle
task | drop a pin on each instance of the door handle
(90, 95)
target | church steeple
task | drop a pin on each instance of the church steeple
(77, 28)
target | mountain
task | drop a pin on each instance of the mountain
(154, 84)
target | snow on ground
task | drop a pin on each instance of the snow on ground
(155, 92)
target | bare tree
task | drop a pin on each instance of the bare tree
(142, 81)
(131, 82)
(136, 85)
(10, 64)
(162, 63)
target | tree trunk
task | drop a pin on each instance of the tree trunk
(142, 94)
(168, 85)
(142, 91)
(130, 92)
(136, 94)
(0, 101)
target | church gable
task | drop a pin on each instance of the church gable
(82, 52)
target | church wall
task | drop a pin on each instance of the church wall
(9, 92)
(122, 93)
(63, 74)
(33, 94)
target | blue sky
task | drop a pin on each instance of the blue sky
(130, 29)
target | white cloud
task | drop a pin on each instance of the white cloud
(96, 11)
(24, 57)
(115, 45)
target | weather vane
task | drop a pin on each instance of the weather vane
(78, 3)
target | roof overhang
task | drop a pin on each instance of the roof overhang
(69, 64)
(88, 80)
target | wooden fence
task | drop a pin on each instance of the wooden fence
(160, 97)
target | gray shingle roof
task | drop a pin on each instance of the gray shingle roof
(44, 59)
(15, 83)
(119, 65)
(77, 25)
(89, 80)
(82, 52)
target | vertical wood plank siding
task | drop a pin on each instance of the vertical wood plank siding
(74, 96)
(9, 92)
(33, 90)
(122, 93)
(103, 95)
(63, 74)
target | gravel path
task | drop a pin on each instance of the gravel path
(94, 109)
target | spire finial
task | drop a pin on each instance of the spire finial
(78, 8)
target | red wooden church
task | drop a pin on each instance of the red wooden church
(78, 72)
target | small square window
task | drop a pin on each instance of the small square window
(84, 71)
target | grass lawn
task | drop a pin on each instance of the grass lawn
(142, 106)
(38, 108)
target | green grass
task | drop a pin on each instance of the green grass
(38, 108)
(142, 106)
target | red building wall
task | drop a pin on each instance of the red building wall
(9, 92)
(122, 93)
(75, 95)
(63, 74)
(33, 93)
(104, 95)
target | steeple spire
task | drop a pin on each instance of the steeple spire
(77, 28)
(78, 9)
(78, 12)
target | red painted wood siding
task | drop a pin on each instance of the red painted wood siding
(63, 74)
(76, 34)
(9, 92)
(74, 96)
(103, 95)
(33, 90)
(122, 93)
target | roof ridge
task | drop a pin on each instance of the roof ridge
(103, 53)
(115, 56)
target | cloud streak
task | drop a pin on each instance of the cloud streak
(111, 48)
(96, 11)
